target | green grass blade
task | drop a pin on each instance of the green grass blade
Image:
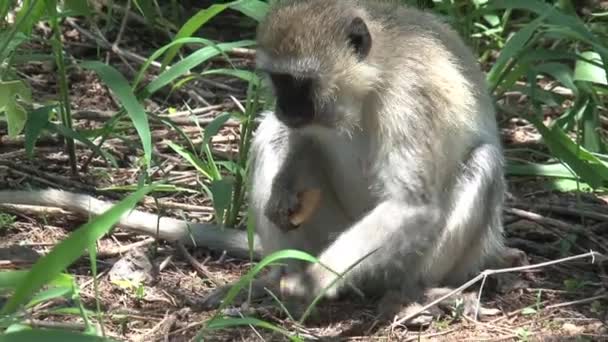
(514, 46)
(254, 9)
(193, 24)
(49, 335)
(195, 161)
(121, 88)
(221, 323)
(69, 250)
(37, 121)
(184, 66)
(585, 71)
(175, 43)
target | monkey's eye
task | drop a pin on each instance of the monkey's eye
(359, 38)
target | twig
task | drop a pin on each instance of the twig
(570, 211)
(197, 265)
(486, 273)
(108, 252)
(576, 302)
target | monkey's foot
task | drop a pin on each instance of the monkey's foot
(215, 299)
(394, 304)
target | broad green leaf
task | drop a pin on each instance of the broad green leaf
(585, 164)
(585, 71)
(69, 250)
(45, 295)
(196, 58)
(15, 114)
(37, 121)
(50, 335)
(30, 13)
(569, 185)
(175, 43)
(221, 323)
(514, 46)
(254, 9)
(540, 170)
(194, 23)
(15, 39)
(74, 8)
(121, 88)
(221, 191)
(592, 127)
(559, 72)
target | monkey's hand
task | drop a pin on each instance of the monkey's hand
(281, 205)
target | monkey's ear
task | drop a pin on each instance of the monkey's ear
(359, 37)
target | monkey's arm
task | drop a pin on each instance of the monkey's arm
(297, 175)
(394, 231)
(233, 241)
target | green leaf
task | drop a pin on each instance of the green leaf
(588, 72)
(268, 260)
(75, 8)
(245, 75)
(50, 335)
(15, 114)
(585, 164)
(254, 9)
(37, 121)
(221, 190)
(560, 72)
(195, 161)
(193, 24)
(45, 295)
(175, 43)
(528, 311)
(69, 250)
(221, 323)
(514, 46)
(121, 88)
(30, 13)
(196, 58)
(540, 170)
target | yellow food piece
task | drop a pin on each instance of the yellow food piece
(309, 202)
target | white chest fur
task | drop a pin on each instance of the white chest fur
(348, 157)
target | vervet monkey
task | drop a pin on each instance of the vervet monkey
(384, 109)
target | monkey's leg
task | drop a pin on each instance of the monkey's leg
(471, 241)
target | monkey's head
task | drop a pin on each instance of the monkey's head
(318, 56)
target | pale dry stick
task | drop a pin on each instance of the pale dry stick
(571, 211)
(576, 302)
(418, 337)
(104, 253)
(489, 272)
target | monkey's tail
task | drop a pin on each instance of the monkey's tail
(233, 241)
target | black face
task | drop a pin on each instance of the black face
(295, 104)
